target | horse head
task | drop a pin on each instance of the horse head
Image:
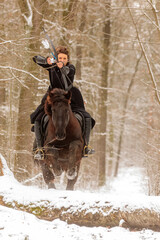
(57, 106)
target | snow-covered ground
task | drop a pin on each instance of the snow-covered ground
(18, 225)
(130, 181)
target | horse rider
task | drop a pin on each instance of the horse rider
(61, 75)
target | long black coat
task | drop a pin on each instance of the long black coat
(56, 81)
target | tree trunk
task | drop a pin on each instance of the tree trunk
(122, 125)
(91, 210)
(104, 97)
(79, 42)
(23, 159)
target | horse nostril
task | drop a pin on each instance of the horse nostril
(60, 136)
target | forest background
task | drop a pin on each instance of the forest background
(115, 48)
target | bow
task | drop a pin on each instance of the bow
(51, 43)
(55, 55)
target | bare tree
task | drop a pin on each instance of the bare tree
(104, 95)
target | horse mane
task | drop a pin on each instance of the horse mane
(56, 95)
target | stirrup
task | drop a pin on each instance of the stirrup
(88, 150)
(39, 154)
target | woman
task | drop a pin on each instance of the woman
(61, 75)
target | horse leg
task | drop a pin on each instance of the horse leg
(71, 183)
(54, 163)
(48, 176)
(74, 156)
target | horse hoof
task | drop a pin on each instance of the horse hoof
(71, 174)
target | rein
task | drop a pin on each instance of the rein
(54, 147)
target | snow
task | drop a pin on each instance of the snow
(19, 225)
(130, 180)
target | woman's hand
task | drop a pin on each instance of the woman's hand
(59, 64)
(49, 61)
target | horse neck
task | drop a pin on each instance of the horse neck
(71, 116)
(72, 120)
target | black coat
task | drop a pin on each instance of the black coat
(56, 81)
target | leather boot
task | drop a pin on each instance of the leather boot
(39, 154)
(88, 127)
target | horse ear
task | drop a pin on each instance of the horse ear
(50, 94)
(68, 95)
(49, 98)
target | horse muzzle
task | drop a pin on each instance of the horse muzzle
(60, 137)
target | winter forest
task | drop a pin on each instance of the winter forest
(114, 46)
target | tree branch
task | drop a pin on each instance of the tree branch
(145, 56)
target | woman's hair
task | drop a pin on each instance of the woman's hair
(64, 50)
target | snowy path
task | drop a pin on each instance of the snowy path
(130, 181)
(18, 225)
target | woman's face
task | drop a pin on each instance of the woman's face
(63, 58)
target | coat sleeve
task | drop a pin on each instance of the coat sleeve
(71, 73)
(42, 61)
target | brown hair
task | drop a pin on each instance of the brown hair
(62, 49)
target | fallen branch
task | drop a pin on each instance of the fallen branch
(84, 209)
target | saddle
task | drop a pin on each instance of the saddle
(45, 119)
(44, 123)
(81, 120)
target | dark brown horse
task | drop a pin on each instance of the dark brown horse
(63, 145)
